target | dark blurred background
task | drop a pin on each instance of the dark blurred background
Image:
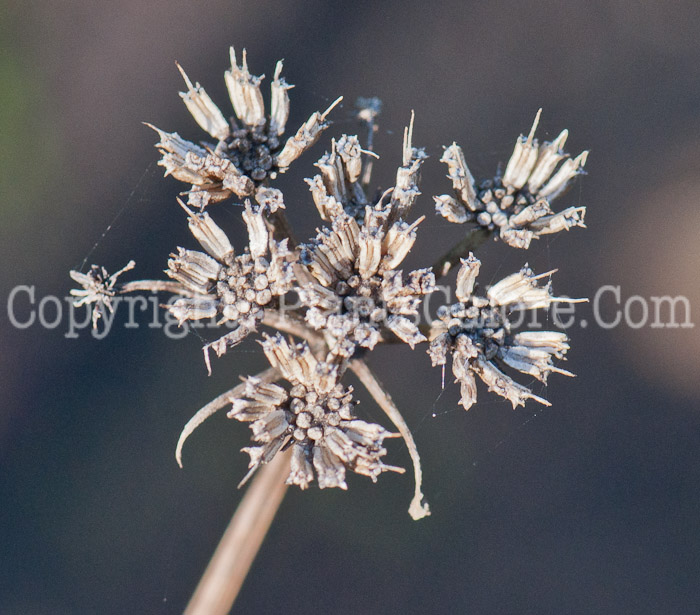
(590, 506)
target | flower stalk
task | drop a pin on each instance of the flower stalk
(471, 242)
(227, 570)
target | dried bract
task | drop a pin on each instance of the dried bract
(314, 415)
(337, 189)
(516, 205)
(476, 332)
(249, 150)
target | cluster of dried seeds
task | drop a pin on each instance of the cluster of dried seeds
(96, 289)
(354, 291)
(315, 416)
(234, 288)
(476, 332)
(248, 151)
(517, 204)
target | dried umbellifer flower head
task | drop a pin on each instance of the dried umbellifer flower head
(249, 150)
(234, 288)
(353, 296)
(517, 204)
(476, 332)
(314, 415)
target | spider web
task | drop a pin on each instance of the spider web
(136, 196)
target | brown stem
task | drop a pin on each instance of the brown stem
(225, 573)
(471, 241)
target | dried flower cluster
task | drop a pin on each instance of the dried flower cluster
(516, 204)
(97, 289)
(354, 289)
(247, 152)
(352, 293)
(220, 284)
(477, 333)
(315, 416)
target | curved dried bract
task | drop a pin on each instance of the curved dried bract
(216, 404)
(476, 333)
(314, 414)
(249, 150)
(419, 508)
(517, 204)
(352, 288)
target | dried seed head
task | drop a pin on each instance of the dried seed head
(314, 416)
(248, 152)
(235, 288)
(476, 332)
(353, 289)
(97, 289)
(347, 278)
(516, 205)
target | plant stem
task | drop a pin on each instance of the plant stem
(154, 286)
(471, 241)
(225, 573)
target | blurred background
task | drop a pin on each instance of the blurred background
(590, 506)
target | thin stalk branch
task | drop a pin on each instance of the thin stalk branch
(291, 324)
(471, 241)
(227, 570)
(368, 162)
(418, 509)
(369, 110)
(154, 286)
(295, 325)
